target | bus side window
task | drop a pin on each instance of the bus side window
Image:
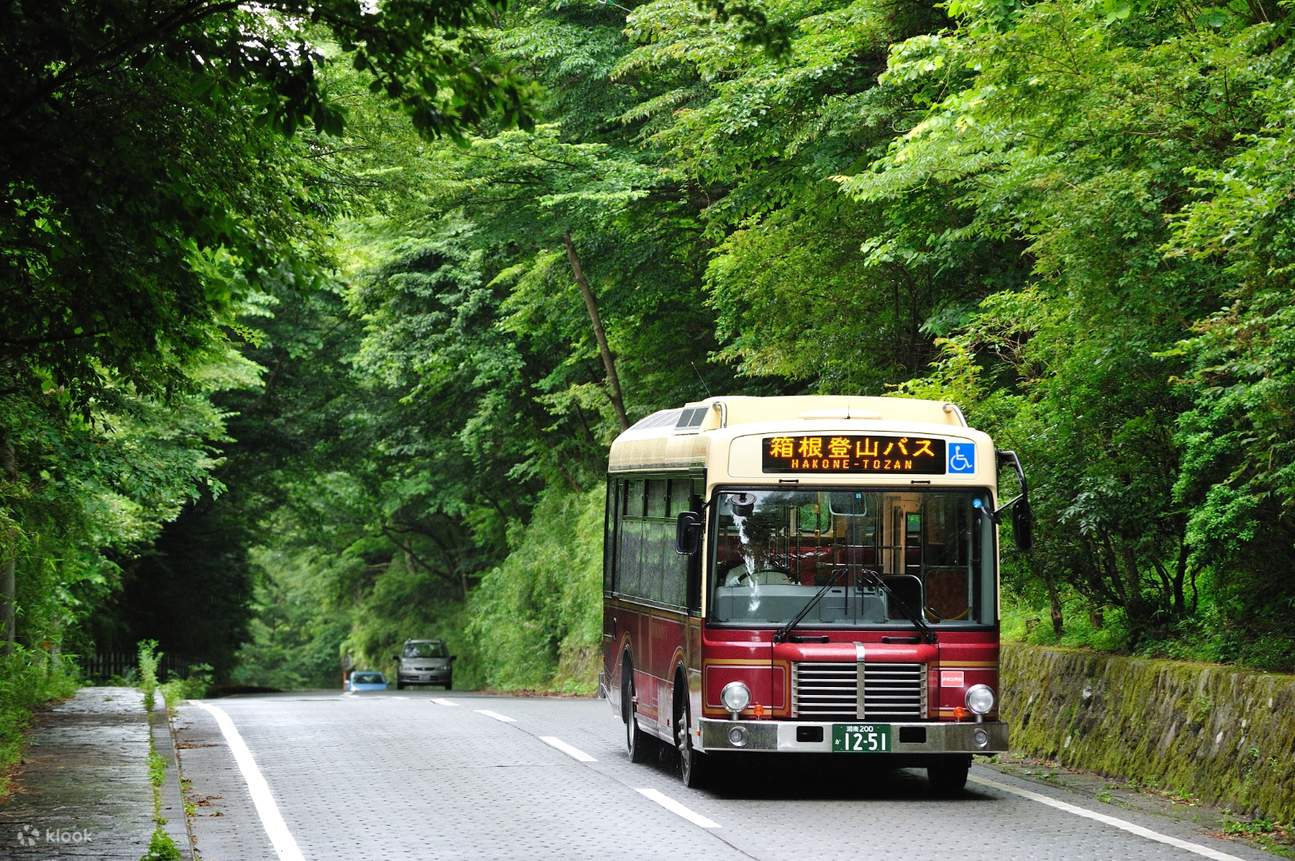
(674, 587)
(610, 519)
(654, 543)
(629, 553)
(679, 496)
(697, 488)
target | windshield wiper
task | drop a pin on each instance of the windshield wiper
(916, 618)
(784, 632)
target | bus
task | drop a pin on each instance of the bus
(814, 575)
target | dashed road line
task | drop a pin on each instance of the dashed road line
(676, 808)
(496, 715)
(443, 702)
(1112, 821)
(573, 752)
(285, 845)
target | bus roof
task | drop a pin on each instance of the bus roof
(684, 436)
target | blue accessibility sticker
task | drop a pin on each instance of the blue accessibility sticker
(961, 458)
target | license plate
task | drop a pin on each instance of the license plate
(861, 738)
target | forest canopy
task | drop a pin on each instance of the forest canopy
(320, 316)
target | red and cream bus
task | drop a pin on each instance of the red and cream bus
(807, 575)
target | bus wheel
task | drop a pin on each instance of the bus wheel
(635, 739)
(948, 775)
(693, 767)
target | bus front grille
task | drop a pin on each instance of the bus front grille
(831, 691)
(825, 691)
(893, 691)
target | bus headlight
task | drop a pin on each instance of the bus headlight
(980, 699)
(735, 697)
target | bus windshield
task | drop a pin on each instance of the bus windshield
(774, 548)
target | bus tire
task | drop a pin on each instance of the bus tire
(694, 767)
(636, 740)
(948, 775)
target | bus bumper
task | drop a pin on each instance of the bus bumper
(771, 736)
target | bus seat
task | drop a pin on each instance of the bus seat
(909, 590)
(946, 592)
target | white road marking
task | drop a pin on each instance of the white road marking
(442, 702)
(574, 752)
(1112, 821)
(285, 845)
(678, 809)
(495, 715)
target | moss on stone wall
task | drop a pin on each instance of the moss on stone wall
(1223, 735)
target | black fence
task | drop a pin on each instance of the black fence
(105, 665)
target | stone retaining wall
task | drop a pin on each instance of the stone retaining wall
(1223, 735)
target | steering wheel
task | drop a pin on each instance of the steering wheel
(738, 575)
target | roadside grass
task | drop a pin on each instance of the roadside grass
(1204, 636)
(192, 687)
(1024, 623)
(1277, 838)
(160, 846)
(28, 679)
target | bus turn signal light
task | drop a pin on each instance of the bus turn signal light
(759, 711)
(961, 713)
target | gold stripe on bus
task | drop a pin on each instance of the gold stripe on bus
(657, 613)
(784, 665)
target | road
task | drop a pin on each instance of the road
(426, 775)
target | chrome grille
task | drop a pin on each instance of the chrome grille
(831, 691)
(825, 691)
(893, 691)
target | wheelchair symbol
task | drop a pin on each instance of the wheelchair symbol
(958, 460)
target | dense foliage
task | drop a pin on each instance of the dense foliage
(318, 390)
(1070, 217)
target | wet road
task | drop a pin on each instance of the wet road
(418, 775)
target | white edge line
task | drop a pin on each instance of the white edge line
(678, 809)
(495, 715)
(1112, 821)
(285, 845)
(443, 702)
(574, 752)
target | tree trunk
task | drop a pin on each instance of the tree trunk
(9, 562)
(1054, 601)
(609, 362)
(1180, 575)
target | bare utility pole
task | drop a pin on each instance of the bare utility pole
(609, 362)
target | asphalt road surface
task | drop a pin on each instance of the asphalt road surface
(427, 775)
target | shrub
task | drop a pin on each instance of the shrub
(28, 677)
(149, 657)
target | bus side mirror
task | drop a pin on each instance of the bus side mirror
(1023, 524)
(687, 533)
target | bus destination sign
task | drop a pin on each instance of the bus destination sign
(848, 453)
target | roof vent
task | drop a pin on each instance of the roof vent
(691, 418)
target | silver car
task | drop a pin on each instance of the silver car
(424, 662)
